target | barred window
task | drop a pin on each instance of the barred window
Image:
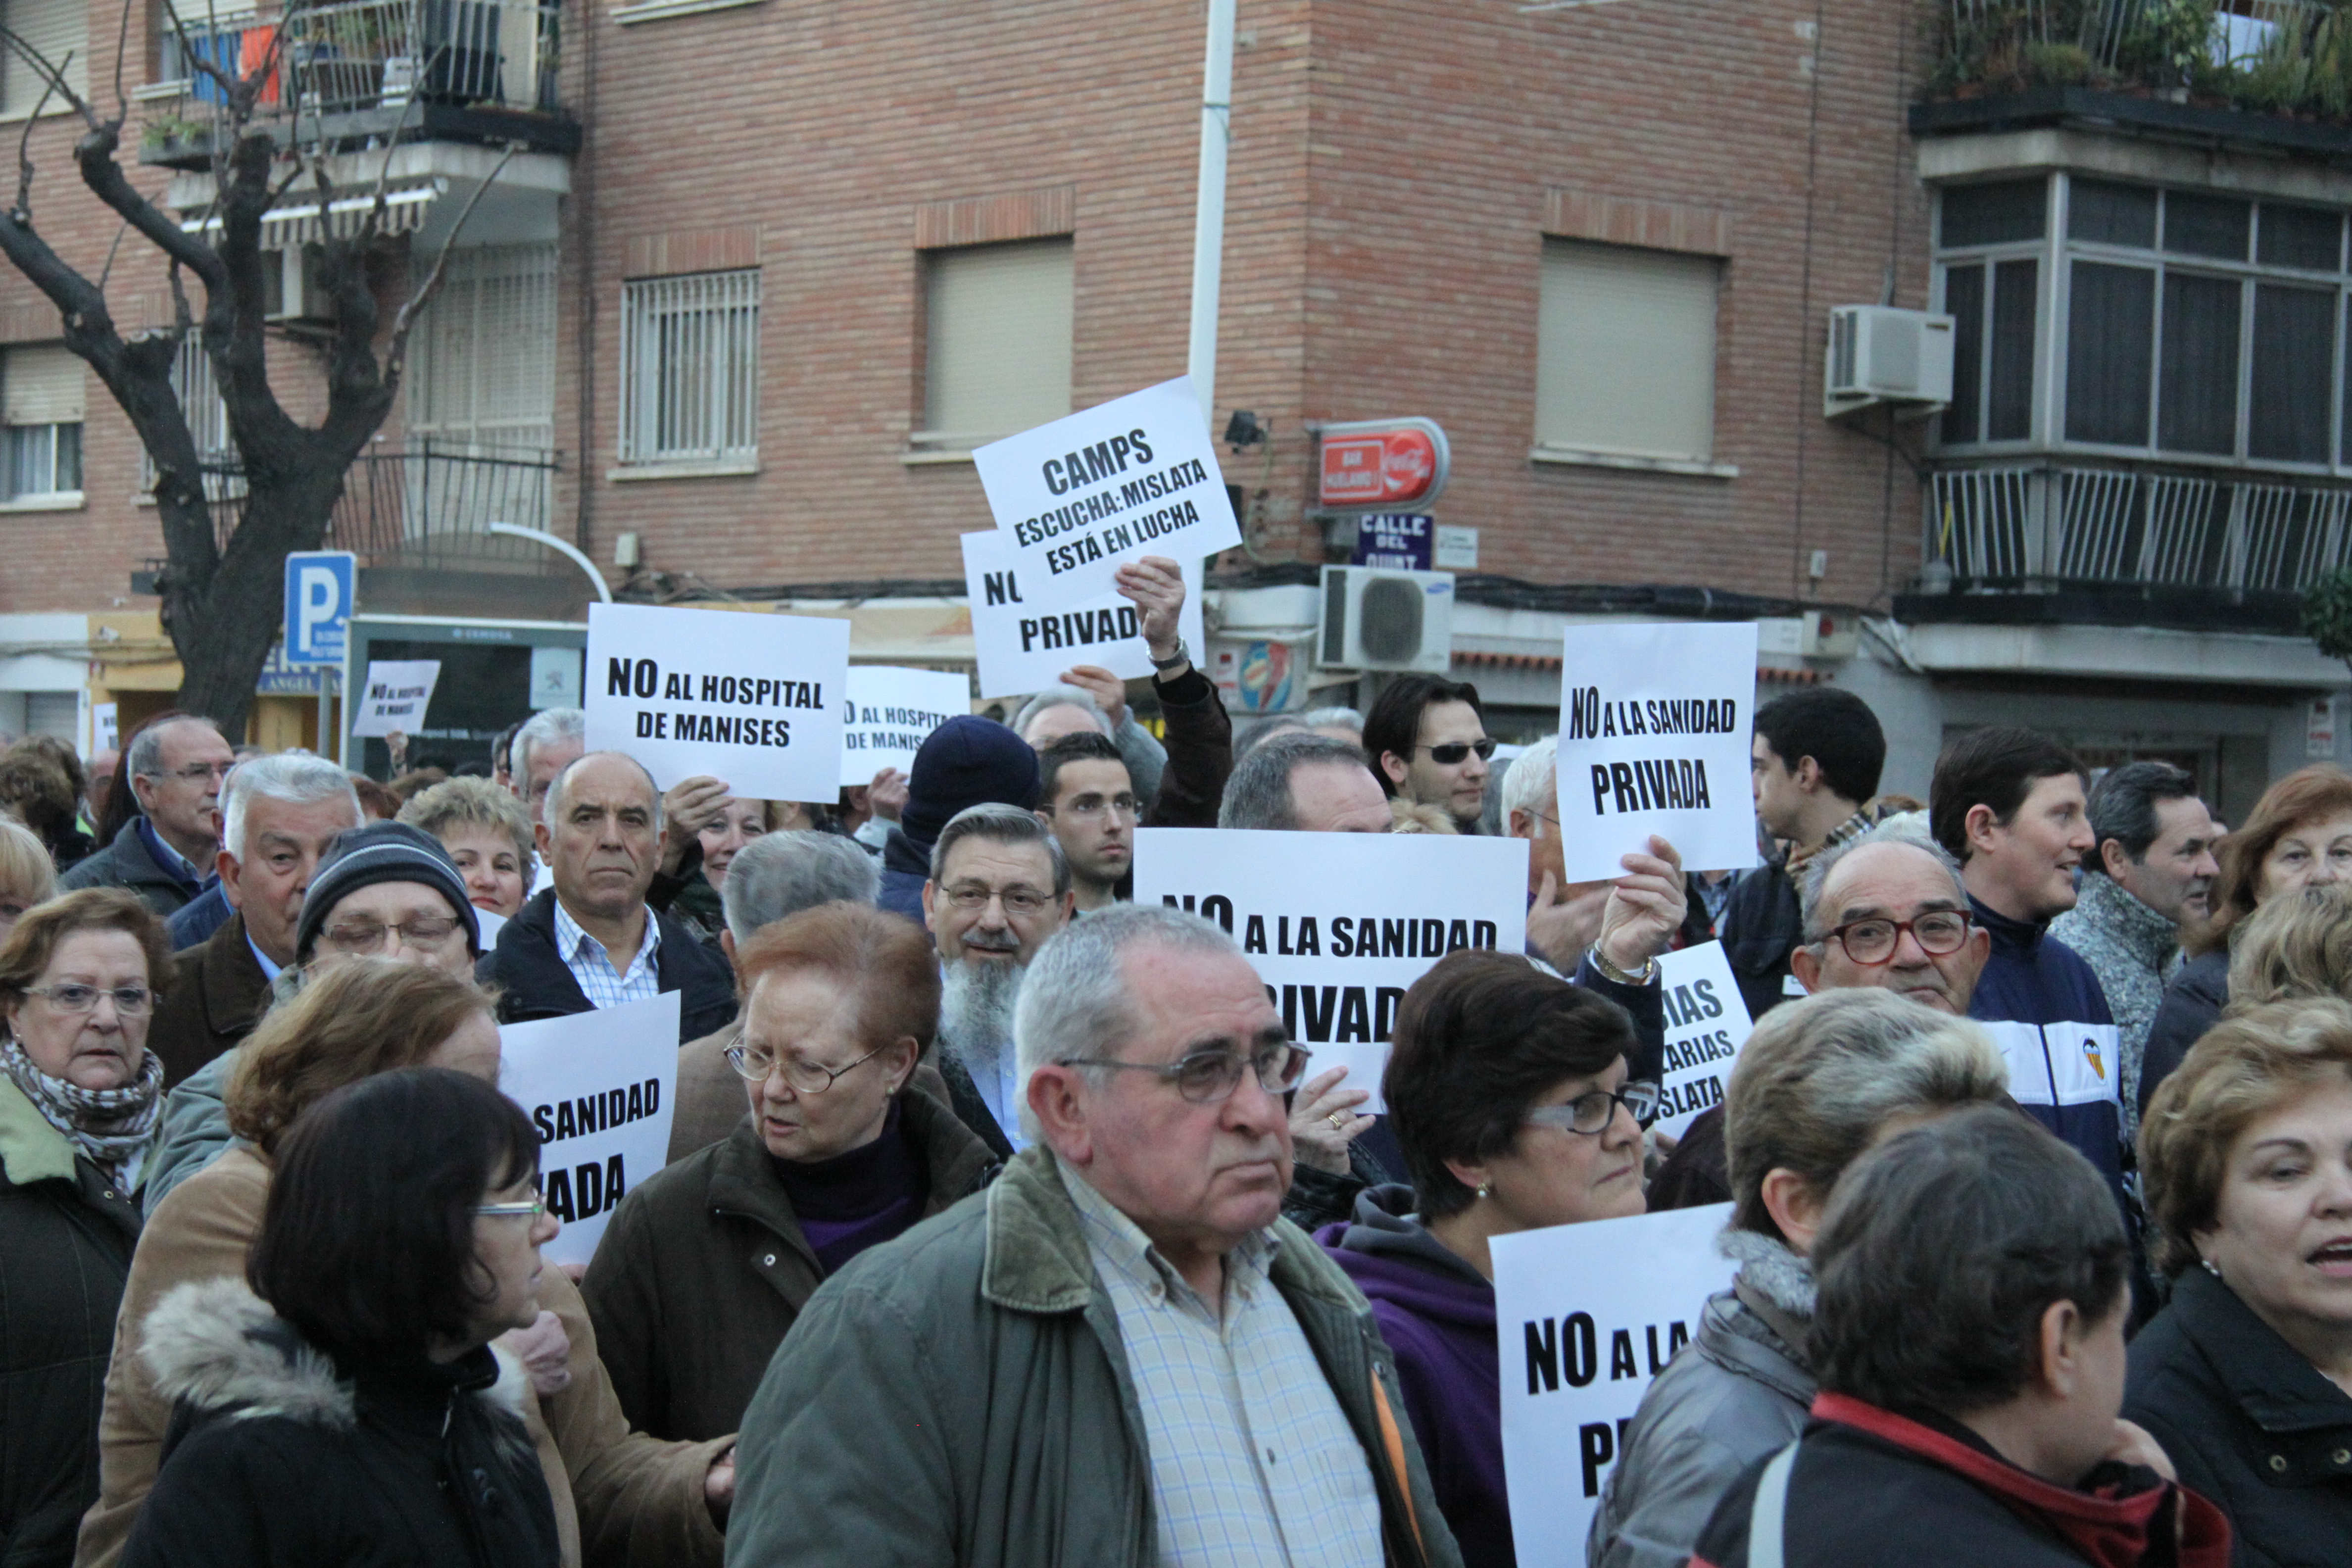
(690, 369)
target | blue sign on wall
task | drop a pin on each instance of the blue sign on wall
(1401, 540)
(319, 589)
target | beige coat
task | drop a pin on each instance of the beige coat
(621, 1499)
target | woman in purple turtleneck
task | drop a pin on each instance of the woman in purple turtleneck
(707, 1264)
(1507, 1090)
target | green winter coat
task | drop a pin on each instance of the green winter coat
(961, 1395)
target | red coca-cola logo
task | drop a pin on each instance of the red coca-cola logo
(1377, 468)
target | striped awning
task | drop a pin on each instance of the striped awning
(298, 220)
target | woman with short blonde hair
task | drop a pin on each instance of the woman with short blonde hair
(2297, 944)
(2245, 1155)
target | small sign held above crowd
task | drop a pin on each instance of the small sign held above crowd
(1021, 647)
(1654, 738)
(1585, 1317)
(887, 712)
(1339, 924)
(1707, 1023)
(601, 1087)
(395, 696)
(1135, 475)
(753, 699)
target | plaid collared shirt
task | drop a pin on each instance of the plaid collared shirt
(600, 982)
(1253, 1462)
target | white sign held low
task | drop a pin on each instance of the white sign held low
(601, 1088)
(1135, 475)
(1707, 1023)
(1339, 924)
(1585, 1317)
(887, 712)
(1022, 649)
(751, 699)
(395, 697)
(1653, 737)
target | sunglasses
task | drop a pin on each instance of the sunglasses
(1454, 752)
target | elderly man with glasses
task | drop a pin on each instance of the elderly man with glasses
(164, 854)
(1120, 1354)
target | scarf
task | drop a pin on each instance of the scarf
(111, 1127)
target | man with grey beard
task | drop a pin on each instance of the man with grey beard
(999, 886)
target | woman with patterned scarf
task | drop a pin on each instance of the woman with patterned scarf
(79, 1098)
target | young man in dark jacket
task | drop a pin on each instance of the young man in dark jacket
(1968, 1341)
(2008, 805)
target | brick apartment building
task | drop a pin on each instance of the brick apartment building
(766, 271)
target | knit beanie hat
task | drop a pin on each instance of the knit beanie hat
(382, 852)
(965, 762)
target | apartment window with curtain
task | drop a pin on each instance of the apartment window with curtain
(40, 423)
(690, 370)
(56, 29)
(2190, 325)
(1625, 354)
(997, 341)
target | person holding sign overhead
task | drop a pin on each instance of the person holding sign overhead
(1510, 1098)
(1818, 1083)
(592, 940)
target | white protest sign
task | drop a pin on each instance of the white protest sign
(1585, 1316)
(1022, 649)
(886, 712)
(1653, 727)
(1135, 475)
(601, 1087)
(1707, 1023)
(395, 697)
(1338, 924)
(751, 699)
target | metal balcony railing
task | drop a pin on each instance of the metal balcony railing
(2263, 55)
(344, 58)
(426, 505)
(2038, 528)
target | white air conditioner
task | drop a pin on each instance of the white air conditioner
(1880, 354)
(1376, 619)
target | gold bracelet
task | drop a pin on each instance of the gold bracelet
(1611, 972)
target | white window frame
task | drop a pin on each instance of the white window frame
(726, 306)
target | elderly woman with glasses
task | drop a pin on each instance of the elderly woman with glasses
(1508, 1091)
(708, 1264)
(77, 1108)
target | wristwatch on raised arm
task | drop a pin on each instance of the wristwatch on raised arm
(1182, 656)
(1611, 972)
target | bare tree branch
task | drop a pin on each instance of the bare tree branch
(22, 210)
(112, 251)
(52, 74)
(396, 351)
(121, 48)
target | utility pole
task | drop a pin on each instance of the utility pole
(1209, 222)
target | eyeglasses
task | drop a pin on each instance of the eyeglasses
(359, 937)
(973, 897)
(533, 1205)
(1087, 807)
(1453, 752)
(1591, 1113)
(196, 772)
(1205, 1078)
(1874, 941)
(754, 1064)
(67, 997)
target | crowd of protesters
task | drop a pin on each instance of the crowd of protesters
(1005, 1225)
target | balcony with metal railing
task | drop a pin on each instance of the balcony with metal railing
(364, 72)
(2203, 550)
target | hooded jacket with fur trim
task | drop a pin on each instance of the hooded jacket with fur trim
(279, 1454)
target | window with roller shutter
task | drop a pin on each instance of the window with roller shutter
(41, 408)
(59, 31)
(997, 335)
(1625, 352)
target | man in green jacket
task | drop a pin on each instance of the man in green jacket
(1119, 1355)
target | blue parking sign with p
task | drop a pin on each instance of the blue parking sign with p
(319, 593)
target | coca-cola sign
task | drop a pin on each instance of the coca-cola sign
(1383, 465)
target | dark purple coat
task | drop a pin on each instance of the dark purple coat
(1437, 1314)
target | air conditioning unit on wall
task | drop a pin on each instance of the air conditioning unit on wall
(1378, 619)
(1880, 354)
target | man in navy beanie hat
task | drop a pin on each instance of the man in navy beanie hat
(968, 761)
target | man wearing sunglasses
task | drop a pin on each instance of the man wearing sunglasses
(1427, 738)
(1121, 1330)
